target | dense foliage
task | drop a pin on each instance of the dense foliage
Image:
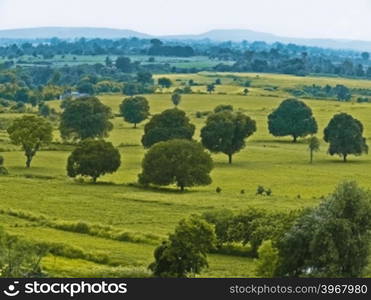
(170, 124)
(294, 118)
(180, 162)
(134, 109)
(184, 253)
(344, 134)
(85, 117)
(93, 158)
(226, 131)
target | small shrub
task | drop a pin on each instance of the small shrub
(268, 192)
(260, 190)
(242, 192)
(218, 190)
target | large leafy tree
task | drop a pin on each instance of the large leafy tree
(93, 158)
(181, 162)
(165, 82)
(294, 118)
(135, 109)
(85, 117)
(31, 133)
(331, 240)
(226, 132)
(170, 124)
(344, 134)
(184, 253)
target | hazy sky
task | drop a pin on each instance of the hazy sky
(296, 18)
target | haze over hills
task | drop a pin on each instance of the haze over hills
(69, 33)
(235, 35)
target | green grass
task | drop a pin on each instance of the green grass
(275, 163)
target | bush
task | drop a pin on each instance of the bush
(185, 251)
(268, 260)
(260, 190)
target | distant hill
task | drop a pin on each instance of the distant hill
(70, 33)
(238, 35)
(215, 35)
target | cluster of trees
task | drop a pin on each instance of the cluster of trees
(339, 92)
(174, 158)
(49, 49)
(291, 59)
(330, 240)
(343, 133)
(159, 49)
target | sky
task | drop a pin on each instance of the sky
(350, 19)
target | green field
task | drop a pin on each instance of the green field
(149, 214)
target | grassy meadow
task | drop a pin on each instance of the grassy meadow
(42, 204)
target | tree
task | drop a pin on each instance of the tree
(226, 132)
(85, 117)
(93, 158)
(144, 78)
(292, 117)
(3, 170)
(342, 93)
(131, 89)
(44, 110)
(176, 98)
(180, 162)
(245, 92)
(331, 240)
(365, 56)
(108, 62)
(344, 134)
(165, 82)
(20, 259)
(134, 109)
(124, 64)
(268, 260)
(223, 107)
(170, 124)
(313, 146)
(31, 133)
(184, 253)
(210, 88)
(86, 87)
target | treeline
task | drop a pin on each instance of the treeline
(55, 46)
(248, 57)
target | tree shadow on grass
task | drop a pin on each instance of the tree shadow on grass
(349, 162)
(159, 189)
(280, 141)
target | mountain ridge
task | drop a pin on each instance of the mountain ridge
(235, 35)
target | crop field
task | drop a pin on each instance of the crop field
(42, 204)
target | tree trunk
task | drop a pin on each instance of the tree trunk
(28, 161)
(182, 188)
(311, 156)
(345, 157)
(295, 139)
(95, 179)
(135, 125)
(230, 158)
